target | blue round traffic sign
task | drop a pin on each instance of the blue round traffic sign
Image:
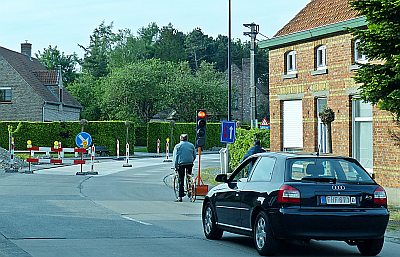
(83, 140)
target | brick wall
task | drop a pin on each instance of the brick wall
(386, 149)
(338, 87)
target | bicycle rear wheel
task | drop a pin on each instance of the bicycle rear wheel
(191, 188)
(176, 186)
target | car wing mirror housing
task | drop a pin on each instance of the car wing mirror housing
(221, 178)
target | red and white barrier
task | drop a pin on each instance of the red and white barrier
(60, 152)
(167, 159)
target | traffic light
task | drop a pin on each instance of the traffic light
(201, 123)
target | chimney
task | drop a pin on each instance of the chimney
(26, 48)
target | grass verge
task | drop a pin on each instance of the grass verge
(394, 219)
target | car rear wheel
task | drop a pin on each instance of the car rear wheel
(211, 231)
(370, 247)
(264, 241)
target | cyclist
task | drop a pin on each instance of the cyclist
(183, 156)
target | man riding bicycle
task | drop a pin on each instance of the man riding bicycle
(183, 156)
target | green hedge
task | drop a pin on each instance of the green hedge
(141, 136)
(104, 133)
(164, 130)
(244, 140)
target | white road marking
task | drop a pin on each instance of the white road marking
(138, 221)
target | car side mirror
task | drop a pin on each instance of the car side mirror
(221, 178)
(373, 175)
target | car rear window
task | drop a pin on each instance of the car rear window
(327, 170)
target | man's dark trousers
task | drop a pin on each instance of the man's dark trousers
(182, 169)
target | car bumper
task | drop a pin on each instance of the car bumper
(290, 223)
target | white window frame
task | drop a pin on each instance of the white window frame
(290, 62)
(356, 140)
(320, 57)
(358, 56)
(6, 101)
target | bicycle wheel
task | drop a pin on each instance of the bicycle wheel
(191, 188)
(176, 186)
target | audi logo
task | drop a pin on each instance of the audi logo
(337, 187)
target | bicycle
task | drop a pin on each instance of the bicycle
(189, 186)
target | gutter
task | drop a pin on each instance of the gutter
(314, 33)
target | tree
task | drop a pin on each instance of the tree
(206, 89)
(88, 91)
(199, 47)
(134, 92)
(380, 81)
(96, 57)
(170, 46)
(52, 58)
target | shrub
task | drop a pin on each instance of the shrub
(244, 140)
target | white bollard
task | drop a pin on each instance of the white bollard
(167, 159)
(92, 154)
(158, 147)
(117, 149)
(12, 152)
(127, 157)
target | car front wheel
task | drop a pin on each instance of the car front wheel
(211, 231)
(370, 247)
(263, 239)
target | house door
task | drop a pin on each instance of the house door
(292, 125)
(362, 133)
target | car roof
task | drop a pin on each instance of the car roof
(288, 155)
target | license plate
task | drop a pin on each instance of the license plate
(338, 199)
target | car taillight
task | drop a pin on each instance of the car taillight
(288, 194)
(380, 197)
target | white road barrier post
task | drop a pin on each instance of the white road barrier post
(12, 167)
(167, 159)
(117, 149)
(158, 147)
(127, 157)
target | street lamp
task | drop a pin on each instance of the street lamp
(229, 63)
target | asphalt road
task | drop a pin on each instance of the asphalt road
(120, 212)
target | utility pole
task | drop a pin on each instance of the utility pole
(254, 29)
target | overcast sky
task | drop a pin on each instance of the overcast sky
(67, 23)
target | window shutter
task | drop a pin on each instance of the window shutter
(292, 124)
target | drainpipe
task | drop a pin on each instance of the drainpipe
(43, 111)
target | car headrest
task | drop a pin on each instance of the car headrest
(315, 169)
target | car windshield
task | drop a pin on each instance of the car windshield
(330, 170)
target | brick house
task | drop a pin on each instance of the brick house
(29, 92)
(312, 62)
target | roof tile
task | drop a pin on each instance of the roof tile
(319, 13)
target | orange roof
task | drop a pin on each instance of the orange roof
(319, 13)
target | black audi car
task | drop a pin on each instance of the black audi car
(281, 196)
